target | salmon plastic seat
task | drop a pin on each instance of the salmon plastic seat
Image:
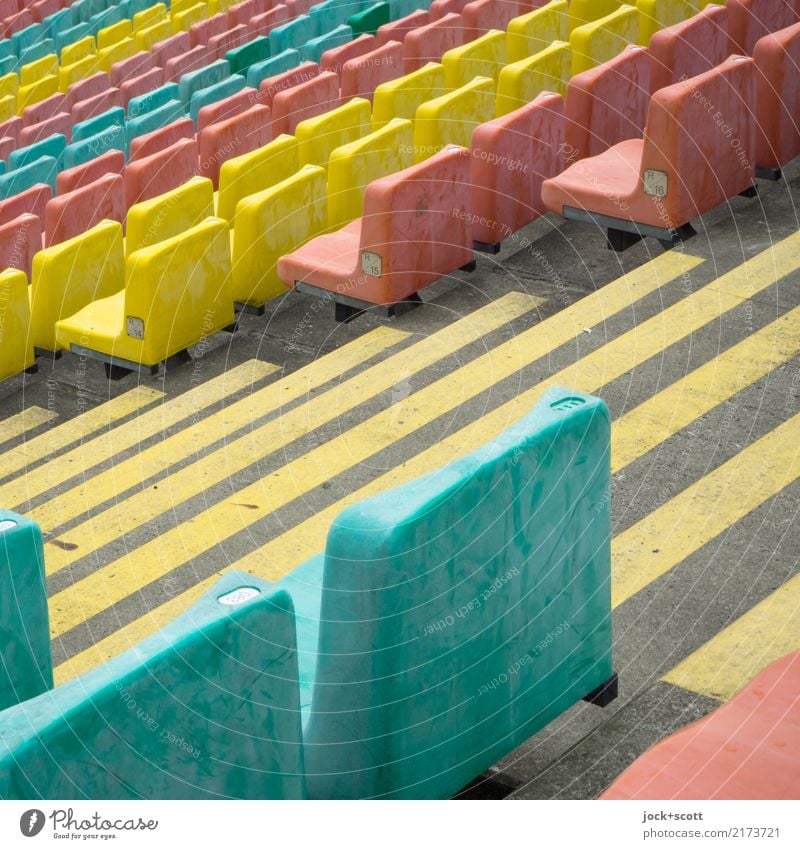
(511, 157)
(430, 42)
(75, 212)
(690, 160)
(751, 20)
(749, 748)
(20, 239)
(777, 58)
(415, 229)
(158, 173)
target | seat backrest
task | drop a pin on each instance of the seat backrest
(431, 41)
(750, 20)
(169, 214)
(51, 146)
(416, 219)
(227, 107)
(96, 105)
(361, 75)
(318, 136)
(110, 162)
(242, 57)
(608, 104)
(304, 100)
(483, 57)
(777, 58)
(214, 93)
(688, 48)
(520, 82)
(84, 89)
(599, 40)
(243, 133)
(78, 153)
(178, 291)
(396, 30)
(699, 141)
(286, 79)
(161, 138)
(334, 58)
(20, 239)
(400, 98)
(43, 170)
(43, 109)
(75, 212)
(68, 276)
(60, 123)
(33, 201)
(482, 15)
(436, 595)
(161, 171)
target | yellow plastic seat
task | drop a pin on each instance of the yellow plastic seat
(147, 17)
(33, 93)
(483, 57)
(585, 11)
(35, 71)
(68, 276)
(147, 37)
(170, 214)
(186, 16)
(255, 171)
(270, 224)
(522, 81)
(352, 167)
(402, 97)
(531, 33)
(603, 39)
(118, 51)
(177, 292)
(113, 34)
(78, 50)
(16, 347)
(317, 137)
(451, 118)
(658, 14)
(69, 74)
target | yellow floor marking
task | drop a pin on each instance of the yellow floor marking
(28, 419)
(81, 459)
(32, 451)
(685, 523)
(259, 442)
(767, 632)
(120, 578)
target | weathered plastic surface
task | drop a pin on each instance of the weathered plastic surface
(352, 167)
(686, 155)
(585, 11)
(33, 71)
(303, 101)
(161, 139)
(452, 117)
(158, 173)
(169, 48)
(109, 57)
(334, 58)
(255, 171)
(169, 214)
(218, 91)
(362, 75)
(153, 99)
(430, 42)
(440, 8)
(777, 59)
(370, 18)
(270, 224)
(511, 157)
(77, 153)
(26, 667)
(52, 147)
(114, 117)
(192, 60)
(32, 201)
(291, 35)
(482, 15)
(20, 239)
(414, 230)
(264, 23)
(655, 15)
(430, 644)
(689, 48)
(68, 276)
(398, 29)
(227, 107)
(70, 214)
(206, 708)
(25, 177)
(751, 20)
(202, 78)
(220, 45)
(231, 137)
(520, 82)
(200, 32)
(749, 748)
(60, 124)
(111, 162)
(483, 57)
(241, 58)
(608, 104)
(318, 137)
(87, 88)
(176, 292)
(44, 109)
(148, 81)
(603, 39)
(400, 98)
(279, 73)
(97, 105)
(35, 92)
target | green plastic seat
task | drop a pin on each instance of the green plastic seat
(246, 55)
(369, 19)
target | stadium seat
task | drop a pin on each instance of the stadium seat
(601, 40)
(689, 48)
(413, 231)
(281, 80)
(255, 171)
(318, 136)
(114, 117)
(44, 109)
(483, 57)
(480, 16)
(160, 139)
(226, 107)
(185, 63)
(43, 170)
(60, 124)
(748, 748)
(431, 41)
(315, 47)
(750, 20)
(271, 223)
(204, 77)
(520, 82)
(52, 146)
(248, 54)
(219, 91)
(304, 100)
(361, 75)
(176, 293)
(396, 30)
(27, 95)
(84, 89)
(96, 105)
(608, 104)
(182, 712)
(72, 213)
(169, 214)
(201, 32)
(27, 668)
(334, 58)
(690, 160)
(231, 137)
(352, 167)
(78, 153)
(264, 23)
(291, 35)
(452, 117)
(655, 15)
(153, 99)
(68, 276)
(110, 162)
(511, 157)
(20, 239)
(419, 652)
(401, 97)
(137, 86)
(153, 175)
(777, 58)
(32, 201)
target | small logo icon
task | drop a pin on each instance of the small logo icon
(31, 822)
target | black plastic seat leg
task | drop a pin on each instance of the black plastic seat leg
(603, 695)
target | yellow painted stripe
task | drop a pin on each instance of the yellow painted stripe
(118, 579)
(126, 475)
(28, 419)
(684, 401)
(259, 442)
(767, 632)
(81, 459)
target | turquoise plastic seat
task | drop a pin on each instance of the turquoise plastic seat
(315, 47)
(153, 99)
(71, 35)
(292, 35)
(36, 51)
(270, 67)
(212, 94)
(369, 19)
(43, 170)
(53, 146)
(77, 153)
(155, 119)
(27, 37)
(60, 20)
(114, 117)
(202, 78)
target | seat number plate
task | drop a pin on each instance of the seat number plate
(655, 183)
(135, 327)
(371, 264)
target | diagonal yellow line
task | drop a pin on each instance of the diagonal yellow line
(29, 419)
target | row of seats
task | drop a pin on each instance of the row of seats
(340, 680)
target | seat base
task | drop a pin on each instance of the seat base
(764, 172)
(487, 247)
(603, 695)
(623, 233)
(250, 309)
(43, 352)
(116, 367)
(347, 308)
